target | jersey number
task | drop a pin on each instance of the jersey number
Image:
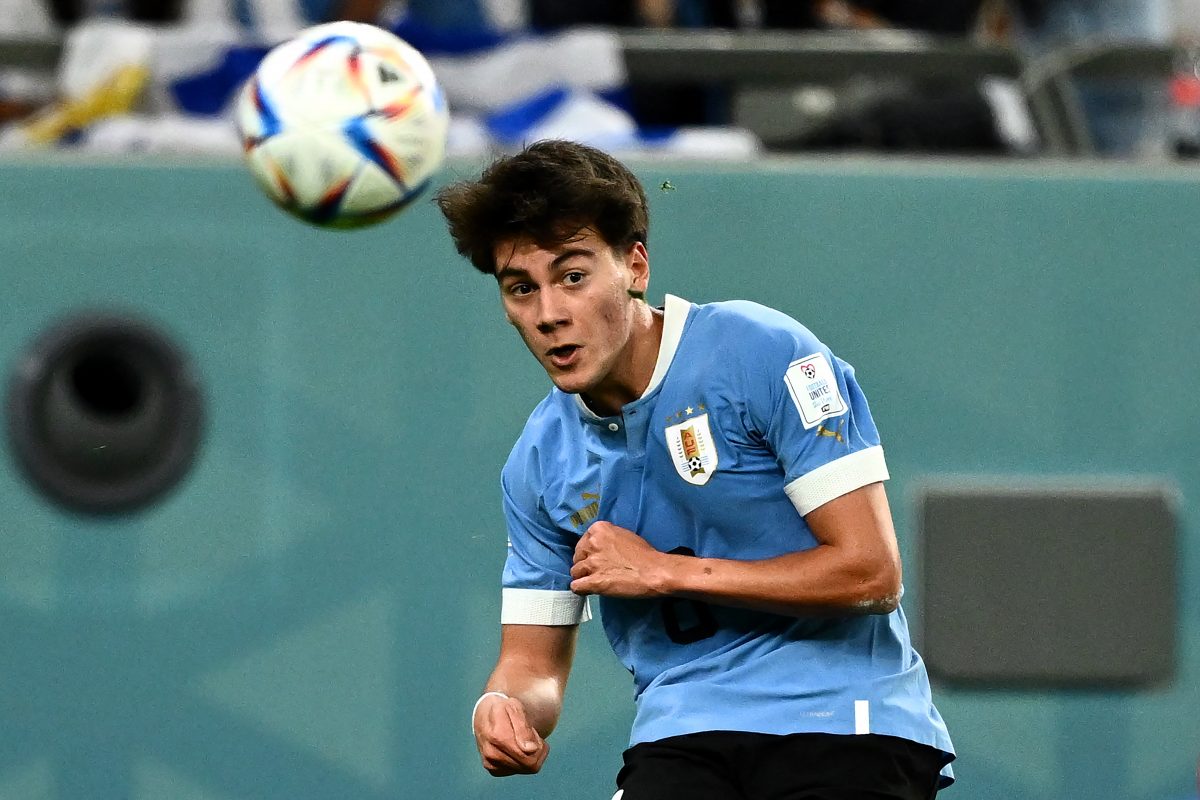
(687, 621)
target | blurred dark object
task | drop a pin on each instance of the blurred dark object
(1032, 11)
(104, 413)
(785, 14)
(69, 12)
(909, 118)
(368, 11)
(682, 104)
(13, 110)
(952, 17)
(154, 10)
(890, 113)
(550, 15)
(780, 14)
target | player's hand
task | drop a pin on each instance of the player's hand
(507, 743)
(616, 562)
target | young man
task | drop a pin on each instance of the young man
(713, 474)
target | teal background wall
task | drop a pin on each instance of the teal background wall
(313, 612)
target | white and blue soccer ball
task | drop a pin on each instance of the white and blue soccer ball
(343, 125)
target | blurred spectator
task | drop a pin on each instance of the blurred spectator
(21, 89)
(885, 115)
(1125, 117)
(652, 106)
(907, 115)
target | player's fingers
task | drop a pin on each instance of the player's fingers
(541, 755)
(504, 746)
(583, 585)
(581, 548)
(500, 740)
(532, 761)
(581, 569)
(495, 732)
(499, 764)
(527, 738)
(505, 753)
(598, 529)
(499, 758)
(504, 770)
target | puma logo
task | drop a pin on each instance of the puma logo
(834, 434)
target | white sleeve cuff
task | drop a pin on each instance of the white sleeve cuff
(543, 607)
(837, 478)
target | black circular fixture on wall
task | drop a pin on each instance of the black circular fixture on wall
(104, 413)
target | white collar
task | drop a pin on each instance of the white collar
(675, 314)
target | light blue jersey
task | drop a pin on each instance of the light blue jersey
(748, 423)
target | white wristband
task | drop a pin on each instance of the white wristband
(480, 700)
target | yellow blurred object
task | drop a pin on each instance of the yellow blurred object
(117, 95)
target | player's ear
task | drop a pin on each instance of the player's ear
(638, 262)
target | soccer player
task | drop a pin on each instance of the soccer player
(712, 473)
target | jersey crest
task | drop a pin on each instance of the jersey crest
(692, 449)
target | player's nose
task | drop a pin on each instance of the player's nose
(552, 312)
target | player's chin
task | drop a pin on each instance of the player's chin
(569, 381)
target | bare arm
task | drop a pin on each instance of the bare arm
(532, 670)
(656, 13)
(854, 570)
(358, 10)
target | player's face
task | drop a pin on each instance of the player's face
(572, 306)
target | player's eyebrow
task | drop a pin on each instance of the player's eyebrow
(511, 271)
(570, 252)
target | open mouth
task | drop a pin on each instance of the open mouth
(563, 355)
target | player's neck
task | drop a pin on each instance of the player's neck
(635, 366)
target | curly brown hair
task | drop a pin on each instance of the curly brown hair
(548, 192)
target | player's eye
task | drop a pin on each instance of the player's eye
(520, 289)
(573, 277)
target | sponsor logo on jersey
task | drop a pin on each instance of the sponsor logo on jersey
(589, 512)
(692, 449)
(585, 515)
(836, 433)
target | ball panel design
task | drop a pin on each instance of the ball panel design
(304, 167)
(343, 125)
(371, 190)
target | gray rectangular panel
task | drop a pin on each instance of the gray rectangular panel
(1048, 584)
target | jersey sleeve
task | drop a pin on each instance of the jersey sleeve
(809, 408)
(537, 572)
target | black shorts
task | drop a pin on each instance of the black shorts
(733, 765)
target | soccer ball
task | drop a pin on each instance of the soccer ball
(343, 125)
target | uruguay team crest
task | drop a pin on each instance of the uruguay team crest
(692, 450)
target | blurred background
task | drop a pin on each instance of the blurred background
(251, 539)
